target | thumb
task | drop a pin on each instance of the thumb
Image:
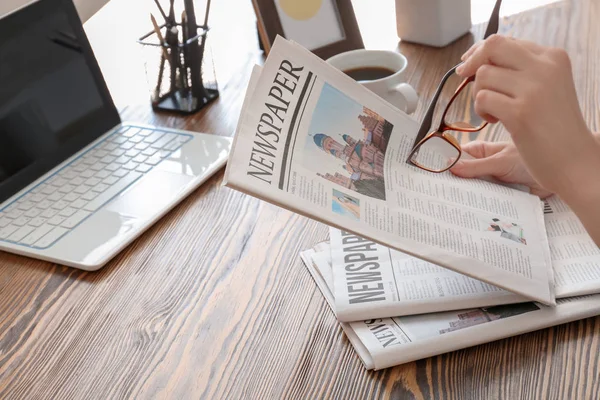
(476, 168)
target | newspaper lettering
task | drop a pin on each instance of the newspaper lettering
(268, 131)
(382, 332)
(364, 280)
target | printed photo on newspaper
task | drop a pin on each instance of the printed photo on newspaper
(314, 141)
(386, 342)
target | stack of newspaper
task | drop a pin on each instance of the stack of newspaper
(418, 264)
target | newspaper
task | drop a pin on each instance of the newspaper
(312, 140)
(408, 285)
(385, 342)
(574, 254)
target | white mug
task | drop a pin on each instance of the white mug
(392, 88)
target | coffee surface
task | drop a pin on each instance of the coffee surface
(368, 73)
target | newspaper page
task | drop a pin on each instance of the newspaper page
(314, 141)
(412, 286)
(574, 254)
(386, 342)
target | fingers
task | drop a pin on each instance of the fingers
(477, 168)
(482, 149)
(531, 46)
(471, 50)
(497, 105)
(497, 79)
(496, 50)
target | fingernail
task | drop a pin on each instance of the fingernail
(464, 56)
(460, 69)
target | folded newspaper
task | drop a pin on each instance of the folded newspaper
(404, 285)
(314, 141)
(385, 342)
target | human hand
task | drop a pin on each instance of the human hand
(500, 160)
(530, 89)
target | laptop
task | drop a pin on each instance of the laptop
(77, 184)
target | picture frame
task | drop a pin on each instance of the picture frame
(325, 27)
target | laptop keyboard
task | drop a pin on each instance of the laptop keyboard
(60, 203)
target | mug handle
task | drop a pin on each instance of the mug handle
(408, 95)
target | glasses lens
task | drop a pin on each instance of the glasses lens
(435, 154)
(461, 112)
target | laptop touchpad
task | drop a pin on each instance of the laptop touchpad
(152, 193)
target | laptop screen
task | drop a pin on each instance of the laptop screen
(53, 100)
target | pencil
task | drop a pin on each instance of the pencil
(160, 37)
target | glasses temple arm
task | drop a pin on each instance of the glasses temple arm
(426, 124)
(494, 21)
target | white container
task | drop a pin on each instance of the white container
(433, 22)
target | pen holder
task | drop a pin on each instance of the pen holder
(180, 71)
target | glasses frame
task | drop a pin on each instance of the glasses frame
(443, 129)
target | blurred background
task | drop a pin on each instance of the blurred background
(124, 21)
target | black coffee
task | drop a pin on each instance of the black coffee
(368, 73)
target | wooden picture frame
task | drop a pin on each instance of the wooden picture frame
(343, 37)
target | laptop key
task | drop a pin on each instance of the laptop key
(25, 206)
(67, 212)
(113, 191)
(111, 167)
(153, 137)
(149, 151)
(77, 181)
(56, 220)
(59, 205)
(37, 222)
(97, 167)
(54, 197)
(21, 233)
(7, 231)
(75, 219)
(101, 187)
(144, 168)
(92, 182)
(79, 203)
(87, 174)
(36, 198)
(119, 139)
(132, 153)
(131, 132)
(66, 189)
(91, 195)
(37, 234)
(49, 213)
(117, 152)
(34, 212)
(48, 189)
(51, 237)
(111, 180)
(21, 221)
(72, 196)
(14, 214)
(162, 142)
(102, 174)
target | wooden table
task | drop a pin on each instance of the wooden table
(213, 302)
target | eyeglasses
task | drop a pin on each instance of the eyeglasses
(438, 150)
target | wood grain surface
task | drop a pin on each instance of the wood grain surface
(213, 302)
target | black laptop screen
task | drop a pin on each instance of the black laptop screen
(53, 101)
